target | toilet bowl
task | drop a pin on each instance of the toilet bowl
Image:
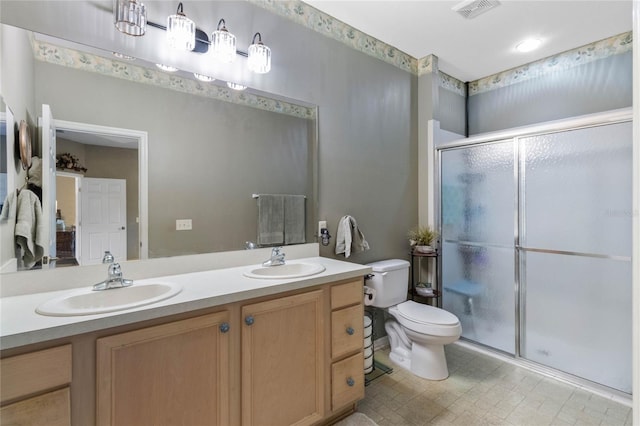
(427, 329)
(417, 332)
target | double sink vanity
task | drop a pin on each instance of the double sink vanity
(212, 339)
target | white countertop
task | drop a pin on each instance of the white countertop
(20, 325)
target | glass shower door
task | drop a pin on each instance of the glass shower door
(575, 252)
(478, 249)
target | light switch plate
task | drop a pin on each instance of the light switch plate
(183, 225)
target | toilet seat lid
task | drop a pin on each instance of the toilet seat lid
(426, 314)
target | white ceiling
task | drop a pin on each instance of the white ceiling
(470, 49)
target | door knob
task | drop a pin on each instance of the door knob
(122, 228)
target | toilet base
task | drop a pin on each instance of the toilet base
(428, 361)
(421, 355)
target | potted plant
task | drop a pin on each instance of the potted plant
(421, 238)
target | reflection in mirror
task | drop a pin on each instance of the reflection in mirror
(209, 148)
(4, 163)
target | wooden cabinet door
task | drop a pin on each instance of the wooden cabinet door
(171, 374)
(283, 359)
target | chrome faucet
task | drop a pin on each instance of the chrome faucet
(114, 275)
(277, 257)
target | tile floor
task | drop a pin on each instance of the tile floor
(482, 390)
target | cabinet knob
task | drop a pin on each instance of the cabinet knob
(350, 381)
(248, 319)
(350, 331)
(224, 327)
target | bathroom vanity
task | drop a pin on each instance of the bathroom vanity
(227, 350)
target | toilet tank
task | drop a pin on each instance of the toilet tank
(390, 281)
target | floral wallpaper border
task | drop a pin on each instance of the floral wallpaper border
(572, 58)
(310, 17)
(93, 63)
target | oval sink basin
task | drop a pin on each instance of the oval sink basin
(89, 302)
(288, 270)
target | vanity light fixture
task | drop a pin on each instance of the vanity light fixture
(167, 68)
(130, 17)
(528, 45)
(259, 56)
(181, 31)
(235, 86)
(203, 77)
(223, 43)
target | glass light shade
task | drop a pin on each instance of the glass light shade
(167, 68)
(123, 56)
(130, 17)
(259, 60)
(203, 77)
(223, 45)
(181, 32)
(235, 86)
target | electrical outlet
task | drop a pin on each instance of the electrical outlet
(321, 225)
(183, 225)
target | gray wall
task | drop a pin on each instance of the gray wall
(596, 86)
(206, 157)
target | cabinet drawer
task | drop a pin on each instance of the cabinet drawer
(51, 409)
(347, 294)
(347, 330)
(34, 372)
(347, 381)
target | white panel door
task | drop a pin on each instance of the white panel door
(104, 219)
(48, 139)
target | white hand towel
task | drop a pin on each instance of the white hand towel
(349, 238)
(29, 232)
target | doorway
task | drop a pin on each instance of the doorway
(111, 153)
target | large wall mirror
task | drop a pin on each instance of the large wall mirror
(204, 156)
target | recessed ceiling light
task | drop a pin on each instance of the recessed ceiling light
(235, 86)
(123, 56)
(167, 68)
(203, 77)
(528, 45)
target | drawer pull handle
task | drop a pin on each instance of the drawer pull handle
(224, 327)
(351, 382)
(249, 319)
(350, 331)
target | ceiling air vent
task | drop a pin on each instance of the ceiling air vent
(469, 9)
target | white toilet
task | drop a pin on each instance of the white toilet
(417, 332)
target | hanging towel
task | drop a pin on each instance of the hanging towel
(349, 238)
(270, 219)
(9, 207)
(294, 219)
(29, 231)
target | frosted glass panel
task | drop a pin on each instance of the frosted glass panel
(577, 190)
(578, 317)
(479, 285)
(478, 194)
